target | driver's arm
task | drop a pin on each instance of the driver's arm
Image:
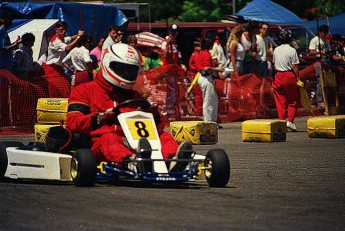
(79, 117)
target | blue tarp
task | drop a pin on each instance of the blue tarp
(267, 11)
(95, 17)
(336, 24)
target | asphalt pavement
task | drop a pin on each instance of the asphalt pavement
(292, 185)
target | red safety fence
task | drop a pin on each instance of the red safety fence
(19, 99)
(247, 97)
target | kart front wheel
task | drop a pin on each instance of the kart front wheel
(84, 168)
(217, 168)
(3, 155)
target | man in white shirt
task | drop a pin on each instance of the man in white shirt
(111, 39)
(286, 92)
(59, 45)
(264, 49)
(78, 61)
(318, 47)
(218, 55)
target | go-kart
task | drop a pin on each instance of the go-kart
(33, 161)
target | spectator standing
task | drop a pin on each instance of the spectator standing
(6, 47)
(171, 55)
(217, 52)
(247, 44)
(205, 80)
(236, 52)
(286, 91)
(58, 46)
(263, 50)
(169, 47)
(220, 58)
(133, 41)
(318, 47)
(78, 61)
(337, 47)
(97, 51)
(111, 39)
(24, 66)
(193, 60)
(154, 59)
(193, 67)
(248, 40)
(119, 35)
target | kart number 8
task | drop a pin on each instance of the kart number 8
(142, 128)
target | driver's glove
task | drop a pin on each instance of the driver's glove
(107, 118)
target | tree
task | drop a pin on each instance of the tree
(330, 8)
(202, 11)
(216, 10)
(325, 7)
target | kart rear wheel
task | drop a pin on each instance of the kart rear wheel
(217, 168)
(84, 168)
(3, 155)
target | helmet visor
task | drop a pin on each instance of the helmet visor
(126, 71)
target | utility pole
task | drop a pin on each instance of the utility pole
(233, 7)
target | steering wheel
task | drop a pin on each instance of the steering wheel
(142, 103)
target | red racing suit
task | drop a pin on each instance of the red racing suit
(91, 98)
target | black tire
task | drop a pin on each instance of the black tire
(3, 155)
(218, 173)
(84, 168)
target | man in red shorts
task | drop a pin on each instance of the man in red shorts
(286, 92)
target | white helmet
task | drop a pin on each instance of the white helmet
(120, 65)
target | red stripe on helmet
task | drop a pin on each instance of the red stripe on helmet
(117, 79)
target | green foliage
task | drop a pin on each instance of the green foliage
(191, 12)
(330, 8)
(204, 11)
(216, 10)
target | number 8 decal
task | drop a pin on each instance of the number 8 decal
(142, 132)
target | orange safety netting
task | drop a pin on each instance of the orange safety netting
(247, 97)
(19, 99)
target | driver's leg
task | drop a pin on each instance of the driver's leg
(109, 147)
(169, 145)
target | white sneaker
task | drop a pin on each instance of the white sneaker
(291, 126)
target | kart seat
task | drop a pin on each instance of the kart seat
(33, 146)
(78, 141)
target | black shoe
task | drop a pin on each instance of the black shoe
(219, 126)
(184, 151)
(144, 151)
